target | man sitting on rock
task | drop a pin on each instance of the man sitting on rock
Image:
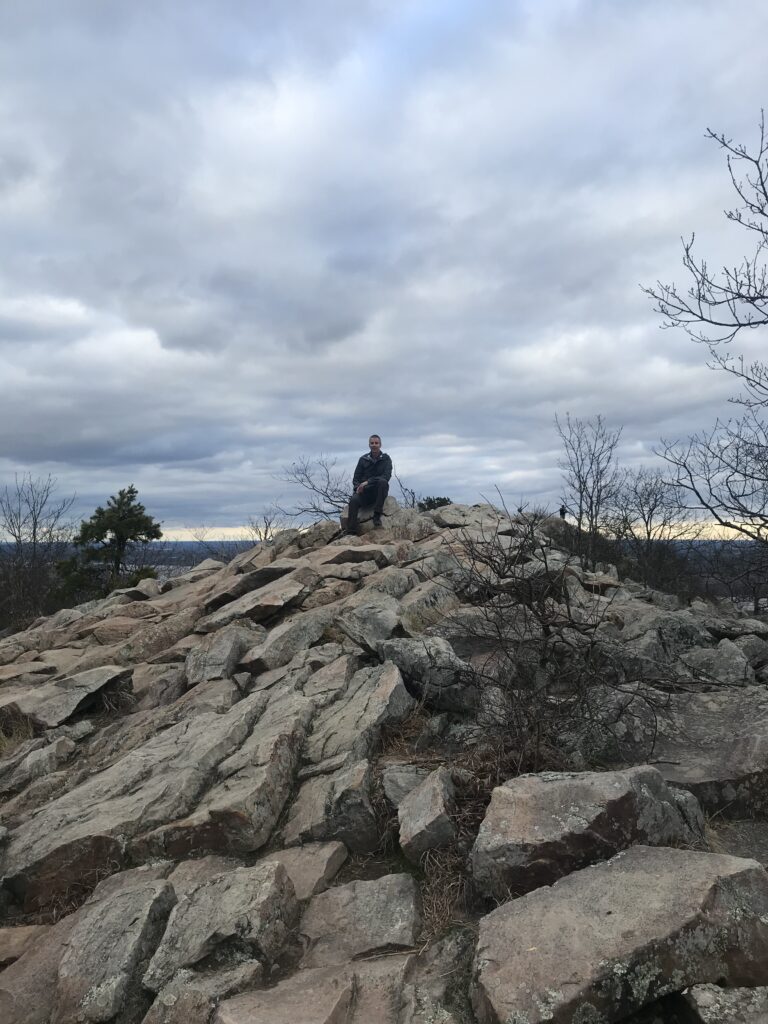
(370, 483)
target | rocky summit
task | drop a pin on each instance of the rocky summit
(437, 773)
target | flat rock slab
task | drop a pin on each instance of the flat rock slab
(14, 942)
(265, 602)
(540, 827)
(28, 986)
(190, 874)
(361, 917)
(382, 555)
(425, 816)
(51, 703)
(155, 686)
(217, 655)
(83, 832)
(426, 605)
(716, 1005)
(41, 762)
(375, 697)
(256, 906)
(230, 588)
(286, 640)
(311, 868)
(247, 790)
(377, 991)
(336, 807)
(21, 670)
(330, 682)
(308, 997)
(108, 946)
(115, 629)
(716, 746)
(156, 637)
(191, 996)
(604, 941)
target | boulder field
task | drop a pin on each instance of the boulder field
(272, 792)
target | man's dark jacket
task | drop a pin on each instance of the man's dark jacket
(369, 468)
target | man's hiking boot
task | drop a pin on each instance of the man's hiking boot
(377, 522)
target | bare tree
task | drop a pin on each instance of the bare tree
(35, 533)
(262, 527)
(590, 476)
(718, 305)
(735, 569)
(326, 489)
(653, 525)
(725, 472)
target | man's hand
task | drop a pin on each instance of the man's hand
(362, 487)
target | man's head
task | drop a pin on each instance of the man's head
(374, 443)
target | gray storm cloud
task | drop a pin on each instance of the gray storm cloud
(234, 234)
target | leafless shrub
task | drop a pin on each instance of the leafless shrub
(550, 680)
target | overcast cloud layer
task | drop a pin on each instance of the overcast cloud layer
(233, 234)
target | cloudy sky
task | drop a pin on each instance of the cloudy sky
(235, 233)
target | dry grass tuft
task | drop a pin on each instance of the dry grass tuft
(443, 890)
(15, 729)
(397, 741)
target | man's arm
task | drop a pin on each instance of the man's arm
(357, 478)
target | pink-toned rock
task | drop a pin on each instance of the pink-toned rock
(312, 867)
(256, 906)
(604, 941)
(360, 918)
(309, 997)
(14, 942)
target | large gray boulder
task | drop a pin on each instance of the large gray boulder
(398, 780)
(247, 791)
(335, 806)
(715, 1005)
(359, 918)
(264, 603)
(286, 640)
(255, 907)
(425, 816)
(370, 621)
(715, 745)
(433, 671)
(108, 946)
(604, 941)
(191, 996)
(311, 867)
(540, 827)
(375, 697)
(51, 703)
(725, 665)
(84, 832)
(218, 654)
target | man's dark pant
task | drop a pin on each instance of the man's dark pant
(375, 494)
